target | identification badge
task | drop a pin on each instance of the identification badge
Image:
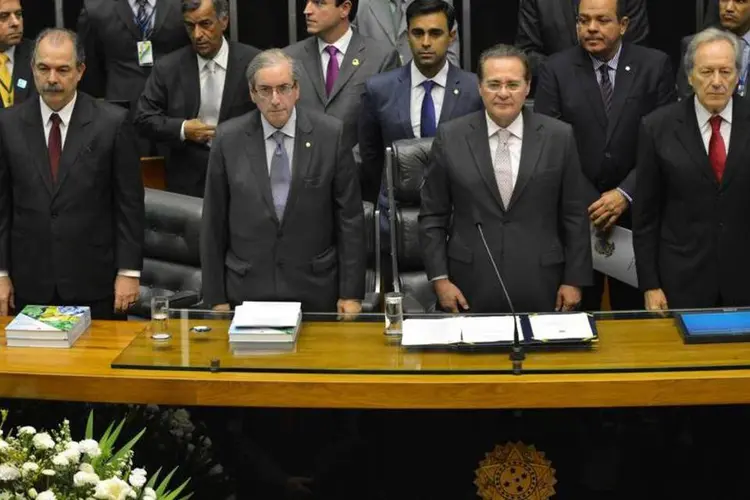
(145, 53)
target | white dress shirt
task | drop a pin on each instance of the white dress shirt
(220, 63)
(268, 130)
(418, 93)
(342, 44)
(703, 117)
(612, 71)
(514, 142)
(150, 8)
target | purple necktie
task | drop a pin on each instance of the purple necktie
(332, 73)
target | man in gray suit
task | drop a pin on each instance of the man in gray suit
(386, 20)
(518, 175)
(282, 213)
(334, 84)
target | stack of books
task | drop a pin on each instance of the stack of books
(48, 326)
(265, 326)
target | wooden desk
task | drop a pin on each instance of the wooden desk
(84, 373)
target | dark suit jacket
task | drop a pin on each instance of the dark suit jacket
(549, 26)
(690, 233)
(109, 35)
(71, 236)
(172, 95)
(316, 255)
(567, 89)
(386, 115)
(23, 79)
(539, 243)
(364, 57)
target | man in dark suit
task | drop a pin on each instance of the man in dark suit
(517, 173)
(733, 16)
(282, 215)
(690, 218)
(549, 26)
(16, 84)
(192, 90)
(396, 104)
(334, 84)
(603, 88)
(71, 198)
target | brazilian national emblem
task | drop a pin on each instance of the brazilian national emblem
(515, 472)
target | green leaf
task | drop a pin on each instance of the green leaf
(121, 453)
(173, 495)
(165, 482)
(90, 426)
(151, 482)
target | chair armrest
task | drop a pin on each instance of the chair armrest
(412, 306)
(371, 303)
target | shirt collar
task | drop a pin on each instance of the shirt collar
(417, 78)
(65, 113)
(703, 115)
(289, 127)
(134, 3)
(341, 44)
(612, 62)
(221, 58)
(11, 53)
(515, 128)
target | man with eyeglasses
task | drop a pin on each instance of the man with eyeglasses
(191, 91)
(603, 88)
(517, 174)
(282, 213)
(16, 81)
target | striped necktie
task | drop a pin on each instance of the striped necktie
(6, 81)
(143, 19)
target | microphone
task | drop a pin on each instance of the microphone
(517, 354)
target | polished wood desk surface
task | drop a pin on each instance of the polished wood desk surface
(85, 373)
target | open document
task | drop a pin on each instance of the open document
(613, 254)
(458, 330)
(267, 315)
(573, 326)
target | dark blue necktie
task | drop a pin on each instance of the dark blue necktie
(142, 19)
(428, 124)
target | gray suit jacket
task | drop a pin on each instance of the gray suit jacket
(540, 242)
(316, 254)
(374, 20)
(364, 58)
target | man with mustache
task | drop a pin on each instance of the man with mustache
(603, 88)
(71, 197)
(691, 199)
(16, 84)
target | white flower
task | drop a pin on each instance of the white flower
(32, 493)
(48, 472)
(84, 467)
(43, 441)
(26, 429)
(28, 468)
(90, 448)
(132, 494)
(60, 460)
(85, 478)
(112, 489)
(136, 480)
(138, 472)
(8, 473)
(6, 496)
(71, 455)
(149, 494)
(3, 446)
(46, 495)
(72, 445)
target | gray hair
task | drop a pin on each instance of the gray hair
(221, 7)
(56, 36)
(267, 59)
(712, 35)
(500, 51)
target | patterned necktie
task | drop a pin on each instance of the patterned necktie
(502, 167)
(606, 87)
(281, 175)
(428, 124)
(332, 72)
(210, 98)
(142, 19)
(717, 151)
(6, 82)
(54, 145)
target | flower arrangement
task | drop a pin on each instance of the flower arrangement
(52, 466)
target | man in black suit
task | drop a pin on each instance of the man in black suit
(282, 215)
(192, 90)
(517, 173)
(549, 26)
(603, 88)
(71, 198)
(16, 84)
(690, 217)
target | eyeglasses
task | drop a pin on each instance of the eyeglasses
(267, 92)
(512, 86)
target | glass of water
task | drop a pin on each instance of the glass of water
(159, 315)
(394, 313)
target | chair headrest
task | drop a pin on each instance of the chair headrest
(173, 223)
(410, 158)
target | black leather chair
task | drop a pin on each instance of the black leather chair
(372, 245)
(409, 160)
(171, 255)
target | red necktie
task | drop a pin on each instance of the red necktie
(717, 151)
(54, 145)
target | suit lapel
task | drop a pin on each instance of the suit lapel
(235, 73)
(569, 18)
(452, 94)
(304, 144)
(531, 149)
(626, 75)
(127, 16)
(34, 136)
(382, 14)
(356, 50)
(479, 146)
(403, 101)
(312, 64)
(590, 87)
(162, 10)
(255, 150)
(192, 84)
(738, 140)
(22, 71)
(76, 138)
(689, 136)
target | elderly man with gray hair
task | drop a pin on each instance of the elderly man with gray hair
(282, 214)
(691, 230)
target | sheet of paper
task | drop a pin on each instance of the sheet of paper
(479, 329)
(613, 255)
(267, 314)
(573, 326)
(438, 331)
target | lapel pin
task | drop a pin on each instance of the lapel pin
(627, 68)
(455, 91)
(21, 83)
(355, 62)
(307, 144)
